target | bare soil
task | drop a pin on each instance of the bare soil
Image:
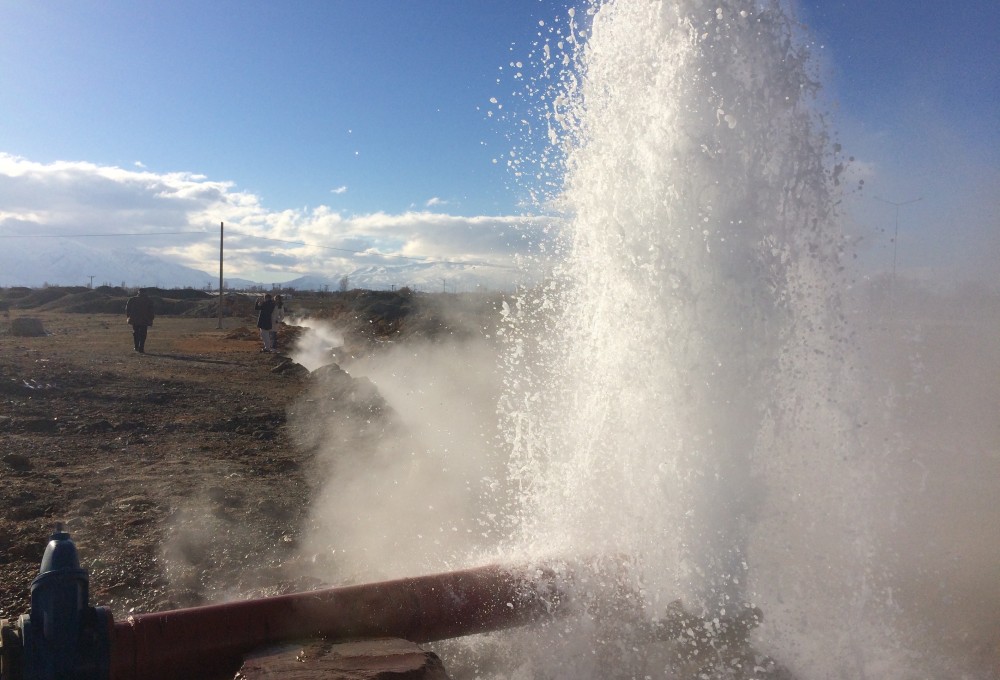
(182, 474)
(173, 470)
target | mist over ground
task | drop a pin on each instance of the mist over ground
(428, 489)
(407, 488)
(932, 388)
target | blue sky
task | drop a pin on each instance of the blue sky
(289, 100)
(382, 107)
(916, 88)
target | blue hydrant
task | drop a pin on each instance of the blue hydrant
(63, 638)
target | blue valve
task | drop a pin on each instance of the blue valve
(63, 638)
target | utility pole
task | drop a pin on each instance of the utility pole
(91, 282)
(221, 299)
(895, 239)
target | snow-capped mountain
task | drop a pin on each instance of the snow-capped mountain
(35, 262)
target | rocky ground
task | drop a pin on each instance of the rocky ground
(173, 470)
(182, 474)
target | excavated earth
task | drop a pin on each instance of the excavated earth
(183, 474)
(173, 470)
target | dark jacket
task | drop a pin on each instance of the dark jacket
(265, 309)
(139, 310)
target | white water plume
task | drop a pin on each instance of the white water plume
(316, 347)
(689, 403)
(695, 396)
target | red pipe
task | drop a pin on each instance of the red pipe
(211, 641)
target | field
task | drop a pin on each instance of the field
(185, 475)
(179, 472)
(118, 445)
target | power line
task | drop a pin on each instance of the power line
(138, 233)
(895, 241)
(426, 260)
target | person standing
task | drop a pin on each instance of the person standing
(139, 315)
(277, 316)
(265, 312)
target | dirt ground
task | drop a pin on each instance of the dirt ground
(173, 470)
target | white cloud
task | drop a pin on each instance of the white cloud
(166, 215)
(339, 190)
(434, 201)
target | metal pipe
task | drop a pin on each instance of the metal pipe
(212, 640)
(64, 637)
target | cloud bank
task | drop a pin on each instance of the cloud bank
(176, 216)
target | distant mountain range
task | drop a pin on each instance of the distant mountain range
(37, 262)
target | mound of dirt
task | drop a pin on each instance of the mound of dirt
(183, 474)
(173, 470)
(243, 333)
(363, 316)
(27, 327)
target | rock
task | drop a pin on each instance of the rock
(135, 503)
(90, 505)
(216, 494)
(243, 333)
(331, 375)
(273, 509)
(337, 384)
(39, 425)
(227, 499)
(94, 427)
(340, 408)
(17, 462)
(290, 368)
(27, 327)
(26, 511)
(386, 659)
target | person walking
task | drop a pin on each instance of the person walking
(277, 316)
(265, 312)
(139, 315)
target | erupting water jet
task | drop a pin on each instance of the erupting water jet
(680, 391)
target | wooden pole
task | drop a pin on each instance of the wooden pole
(221, 298)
